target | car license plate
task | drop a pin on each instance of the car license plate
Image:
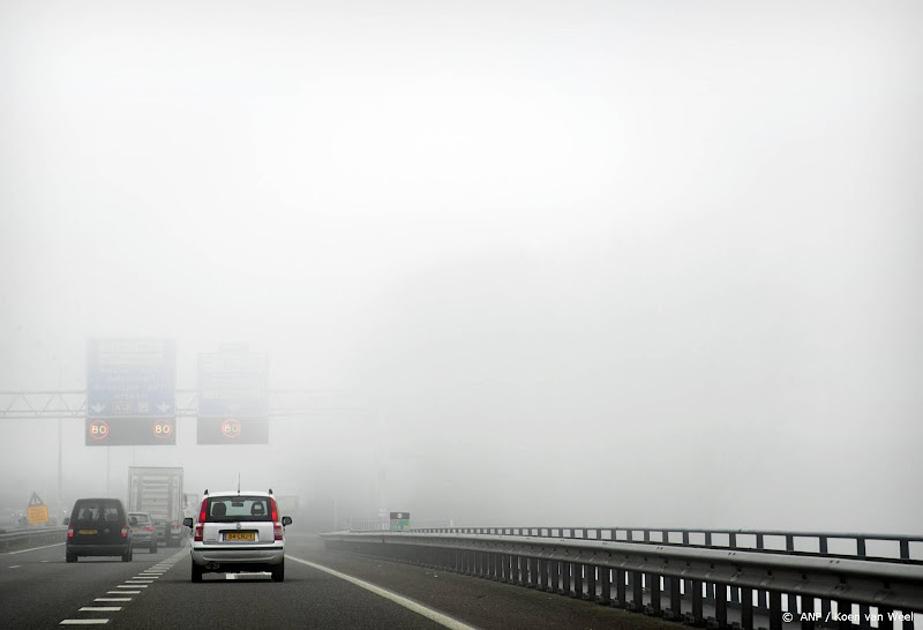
(240, 536)
(87, 532)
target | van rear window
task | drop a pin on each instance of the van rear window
(97, 511)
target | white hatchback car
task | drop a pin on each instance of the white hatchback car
(237, 532)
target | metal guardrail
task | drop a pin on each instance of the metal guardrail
(639, 576)
(862, 546)
(11, 541)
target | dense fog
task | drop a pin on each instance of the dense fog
(529, 263)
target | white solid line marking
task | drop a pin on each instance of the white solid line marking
(15, 566)
(13, 553)
(123, 592)
(83, 622)
(420, 609)
(113, 599)
(99, 609)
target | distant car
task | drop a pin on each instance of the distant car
(142, 531)
(98, 527)
(161, 529)
(238, 532)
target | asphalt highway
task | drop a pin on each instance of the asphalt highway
(322, 589)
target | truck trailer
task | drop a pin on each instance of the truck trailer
(158, 490)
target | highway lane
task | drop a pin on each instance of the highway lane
(38, 588)
(313, 598)
(42, 591)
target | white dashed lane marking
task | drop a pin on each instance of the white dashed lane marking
(131, 586)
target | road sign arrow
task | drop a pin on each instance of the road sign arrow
(97, 407)
(163, 407)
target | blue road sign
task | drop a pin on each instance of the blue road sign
(233, 383)
(131, 378)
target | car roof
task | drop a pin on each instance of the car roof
(234, 493)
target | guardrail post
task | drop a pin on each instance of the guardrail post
(605, 586)
(653, 586)
(577, 571)
(746, 608)
(637, 587)
(676, 601)
(721, 604)
(567, 577)
(590, 582)
(844, 608)
(620, 575)
(696, 590)
(555, 585)
(806, 605)
(775, 610)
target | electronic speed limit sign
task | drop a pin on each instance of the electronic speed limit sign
(130, 431)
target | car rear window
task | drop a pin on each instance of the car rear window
(97, 511)
(238, 508)
(141, 518)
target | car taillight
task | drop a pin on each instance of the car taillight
(274, 510)
(124, 532)
(198, 532)
(203, 512)
(277, 530)
(70, 534)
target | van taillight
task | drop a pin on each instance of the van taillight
(277, 530)
(198, 532)
(70, 534)
(124, 532)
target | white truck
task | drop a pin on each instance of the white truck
(158, 490)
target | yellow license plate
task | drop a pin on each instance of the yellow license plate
(88, 532)
(241, 536)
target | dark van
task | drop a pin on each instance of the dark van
(98, 527)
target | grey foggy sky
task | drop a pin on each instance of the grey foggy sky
(680, 239)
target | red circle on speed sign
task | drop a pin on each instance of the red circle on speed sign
(230, 428)
(98, 429)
